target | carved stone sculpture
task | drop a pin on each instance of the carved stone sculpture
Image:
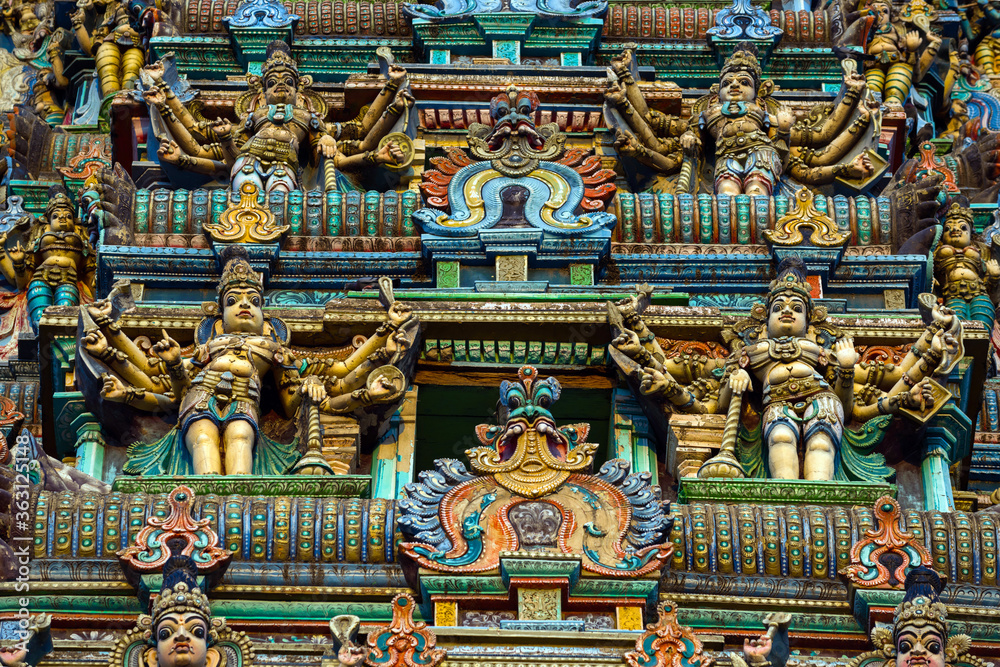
(964, 270)
(105, 32)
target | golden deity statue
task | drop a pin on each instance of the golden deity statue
(105, 32)
(218, 391)
(899, 56)
(281, 128)
(54, 262)
(805, 372)
(37, 42)
(964, 275)
(757, 138)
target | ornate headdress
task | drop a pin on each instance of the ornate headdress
(744, 59)
(959, 212)
(921, 606)
(238, 274)
(58, 199)
(791, 281)
(279, 58)
(180, 593)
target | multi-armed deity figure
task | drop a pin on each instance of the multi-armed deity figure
(964, 275)
(37, 42)
(281, 129)
(105, 32)
(218, 390)
(55, 264)
(756, 139)
(919, 633)
(180, 630)
(898, 56)
(804, 371)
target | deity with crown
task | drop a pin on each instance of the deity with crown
(964, 275)
(757, 139)
(804, 371)
(281, 128)
(51, 262)
(218, 391)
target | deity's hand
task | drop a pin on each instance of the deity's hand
(78, 17)
(615, 94)
(655, 382)
(17, 254)
(628, 343)
(785, 119)
(690, 142)
(912, 40)
(398, 343)
(757, 650)
(168, 349)
(400, 313)
(391, 153)
(327, 146)
(844, 350)
(313, 388)
(222, 128)
(942, 316)
(626, 143)
(100, 310)
(113, 389)
(95, 343)
(155, 71)
(621, 66)
(154, 95)
(860, 167)
(992, 268)
(351, 656)
(404, 100)
(397, 73)
(169, 151)
(739, 381)
(855, 81)
(381, 388)
(920, 398)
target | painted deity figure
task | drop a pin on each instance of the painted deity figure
(757, 139)
(805, 373)
(105, 32)
(964, 275)
(37, 42)
(180, 630)
(281, 128)
(218, 391)
(897, 57)
(919, 635)
(56, 261)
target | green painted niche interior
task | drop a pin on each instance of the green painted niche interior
(447, 418)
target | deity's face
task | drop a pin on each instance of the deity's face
(787, 316)
(181, 641)
(281, 87)
(737, 86)
(241, 311)
(957, 233)
(919, 647)
(883, 13)
(12, 655)
(61, 219)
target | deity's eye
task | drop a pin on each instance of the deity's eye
(934, 647)
(543, 401)
(797, 308)
(255, 301)
(164, 634)
(231, 301)
(905, 646)
(513, 402)
(776, 308)
(199, 632)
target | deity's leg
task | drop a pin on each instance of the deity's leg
(981, 309)
(727, 184)
(40, 297)
(986, 55)
(757, 187)
(67, 295)
(962, 308)
(781, 436)
(876, 79)
(109, 59)
(239, 438)
(202, 440)
(132, 62)
(823, 431)
(897, 83)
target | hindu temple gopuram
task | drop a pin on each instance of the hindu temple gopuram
(499, 333)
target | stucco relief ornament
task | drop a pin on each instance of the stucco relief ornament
(246, 222)
(743, 20)
(529, 456)
(887, 552)
(529, 491)
(261, 14)
(667, 643)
